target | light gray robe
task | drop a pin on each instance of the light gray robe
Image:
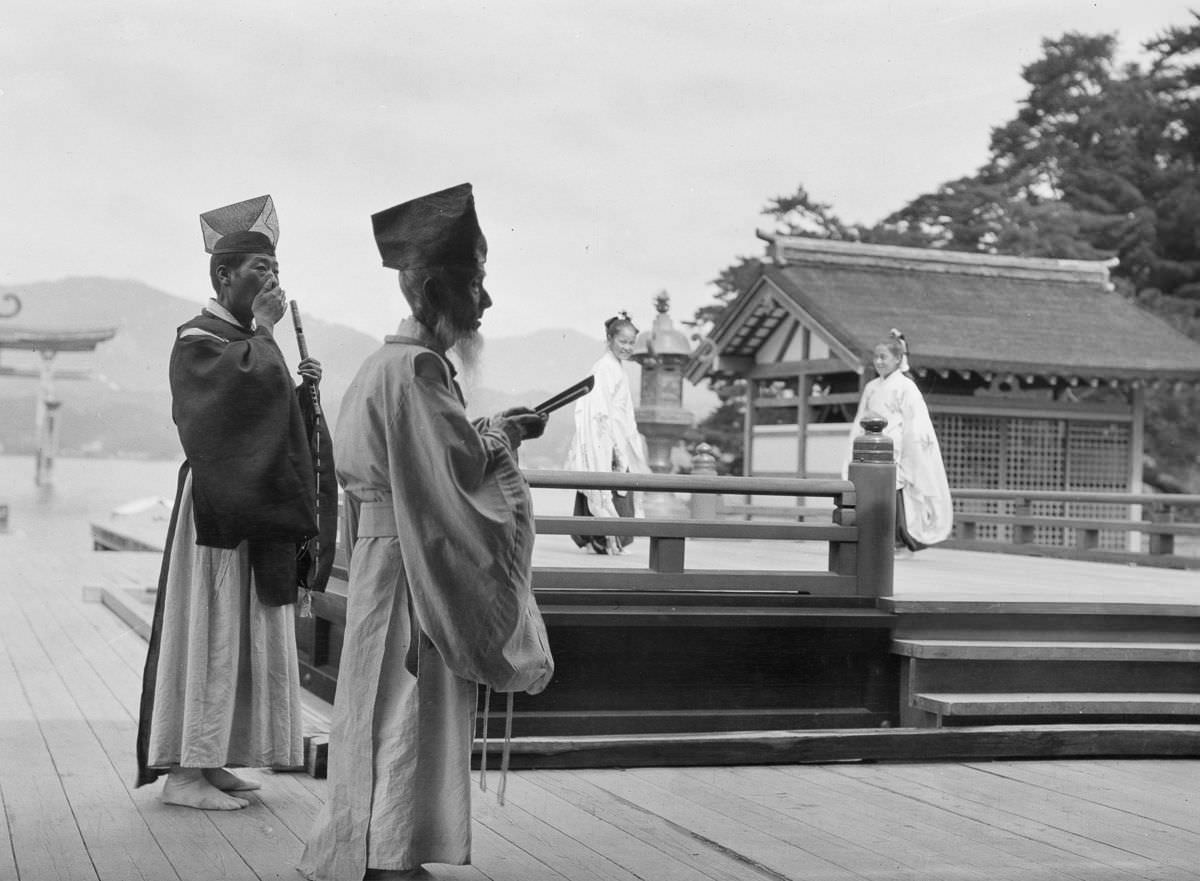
(440, 534)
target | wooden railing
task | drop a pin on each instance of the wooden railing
(669, 646)
(854, 568)
(1066, 524)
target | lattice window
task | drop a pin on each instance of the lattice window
(1036, 459)
(972, 452)
(1019, 452)
(1098, 457)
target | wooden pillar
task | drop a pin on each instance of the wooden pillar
(873, 473)
(748, 432)
(1137, 451)
(46, 421)
(803, 390)
(704, 506)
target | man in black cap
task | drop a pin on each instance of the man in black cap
(440, 534)
(221, 685)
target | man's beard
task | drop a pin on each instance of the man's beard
(469, 351)
(466, 345)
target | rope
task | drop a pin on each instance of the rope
(487, 705)
(508, 717)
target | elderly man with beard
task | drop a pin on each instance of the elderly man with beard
(439, 534)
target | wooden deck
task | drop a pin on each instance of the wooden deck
(69, 683)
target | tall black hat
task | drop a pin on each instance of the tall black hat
(248, 227)
(440, 229)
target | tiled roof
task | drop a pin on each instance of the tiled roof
(963, 312)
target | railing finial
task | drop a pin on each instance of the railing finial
(874, 445)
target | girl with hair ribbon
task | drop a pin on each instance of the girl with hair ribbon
(607, 439)
(924, 513)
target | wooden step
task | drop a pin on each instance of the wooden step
(831, 745)
(1046, 650)
(1048, 704)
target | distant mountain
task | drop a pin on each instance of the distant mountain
(126, 410)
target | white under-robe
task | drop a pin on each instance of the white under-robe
(227, 686)
(438, 525)
(606, 435)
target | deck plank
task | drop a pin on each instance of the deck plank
(504, 860)
(1102, 785)
(932, 828)
(689, 845)
(524, 826)
(708, 818)
(1062, 851)
(119, 843)
(642, 845)
(8, 865)
(835, 830)
(46, 841)
(85, 640)
(1099, 835)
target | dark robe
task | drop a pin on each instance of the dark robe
(247, 433)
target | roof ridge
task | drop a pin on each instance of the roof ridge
(784, 250)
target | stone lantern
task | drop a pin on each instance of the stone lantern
(662, 352)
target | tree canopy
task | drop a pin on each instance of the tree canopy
(1100, 161)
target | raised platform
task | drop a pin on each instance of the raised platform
(1096, 629)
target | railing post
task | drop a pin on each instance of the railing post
(704, 463)
(1023, 534)
(1161, 542)
(873, 472)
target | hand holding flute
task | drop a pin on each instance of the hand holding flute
(310, 368)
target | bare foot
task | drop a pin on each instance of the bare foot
(187, 787)
(227, 781)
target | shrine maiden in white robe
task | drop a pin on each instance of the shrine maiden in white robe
(439, 532)
(606, 434)
(920, 474)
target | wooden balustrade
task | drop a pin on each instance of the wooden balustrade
(674, 647)
(1170, 540)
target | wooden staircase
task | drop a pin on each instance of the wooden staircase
(1047, 663)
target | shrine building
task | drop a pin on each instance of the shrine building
(1035, 370)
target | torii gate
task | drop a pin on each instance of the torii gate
(47, 343)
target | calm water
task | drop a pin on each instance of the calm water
(83, 490)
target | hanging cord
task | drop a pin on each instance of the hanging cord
(508, 717)
(302, 344)
(504, 754)
(487, 706)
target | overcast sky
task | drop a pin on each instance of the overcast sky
(616, 148)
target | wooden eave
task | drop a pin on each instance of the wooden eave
(749, 322)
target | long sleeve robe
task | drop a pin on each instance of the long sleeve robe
(920, 473)
(440, 535)
(606, 433)
(220, 685)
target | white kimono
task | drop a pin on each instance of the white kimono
(439, 532)
(606, 434)
(920, 474)
(227, 680)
